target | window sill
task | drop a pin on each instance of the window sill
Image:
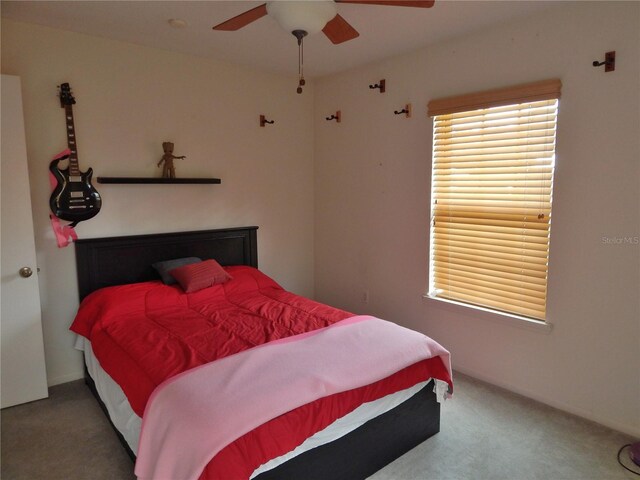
(493, 315)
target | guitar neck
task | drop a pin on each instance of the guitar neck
(74, 168)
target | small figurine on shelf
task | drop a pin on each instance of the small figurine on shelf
(168, 170)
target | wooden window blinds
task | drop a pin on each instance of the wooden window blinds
(493, 162)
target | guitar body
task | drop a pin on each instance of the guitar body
(74, 199)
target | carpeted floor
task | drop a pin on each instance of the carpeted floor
(486, 433)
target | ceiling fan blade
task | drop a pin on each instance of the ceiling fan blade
(243, 19)
(338, 30)
(393, 3)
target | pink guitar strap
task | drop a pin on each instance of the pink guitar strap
(65, 234)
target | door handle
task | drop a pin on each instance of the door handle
(25, 272)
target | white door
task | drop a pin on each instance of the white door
(22, 369)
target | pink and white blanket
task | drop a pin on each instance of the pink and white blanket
(194, 415)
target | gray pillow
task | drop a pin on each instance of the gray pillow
(163, 268)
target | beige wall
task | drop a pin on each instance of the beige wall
(129, 100)
(371, 177)
(372, 180)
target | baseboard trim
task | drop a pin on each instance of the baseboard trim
(627, 429)
(69, 377)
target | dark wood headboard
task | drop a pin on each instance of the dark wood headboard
(104, 262)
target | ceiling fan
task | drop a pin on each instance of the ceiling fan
(303, 18)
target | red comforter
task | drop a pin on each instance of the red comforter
(143, 334)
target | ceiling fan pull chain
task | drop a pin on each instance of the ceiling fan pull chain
(299, 61)
(300, 34)
(302, 82)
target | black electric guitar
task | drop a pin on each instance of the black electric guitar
(74, 199)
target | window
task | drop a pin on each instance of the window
(492, 178)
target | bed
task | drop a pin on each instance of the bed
(381, 435)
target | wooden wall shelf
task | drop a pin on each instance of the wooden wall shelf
(161, 181)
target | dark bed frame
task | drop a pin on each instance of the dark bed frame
(104, 262)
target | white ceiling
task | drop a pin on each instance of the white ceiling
(384, 31)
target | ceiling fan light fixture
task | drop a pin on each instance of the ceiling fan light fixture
(310, 15)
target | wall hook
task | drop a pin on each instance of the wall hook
(406, 110)
(381, 86)
(264, 121)
(336, 116)
(609, 62)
